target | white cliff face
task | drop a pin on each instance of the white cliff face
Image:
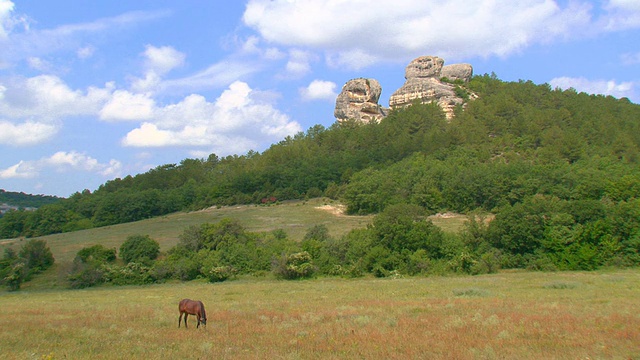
(359, 97)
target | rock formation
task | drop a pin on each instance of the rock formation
(359, 97)
(455, 72)
(423, 81)
(358, 100)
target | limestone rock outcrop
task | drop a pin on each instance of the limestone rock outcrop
(455, 72)
(358, 100)
(423, 81)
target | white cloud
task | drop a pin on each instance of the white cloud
(604, 87)
(8, 21)
(20, 170)
(85, 52)
(27, 133)
(319, 89)
(219, 74)
(622, 15)
(61, 162)
(236, 122)
(163, 59)
(47, 98)
(299, 63)
(386, 30)
(124, 105)
(38, 64)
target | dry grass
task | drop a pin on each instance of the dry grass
(514, 315)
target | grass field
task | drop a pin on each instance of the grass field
(513, 315)
(510, 315)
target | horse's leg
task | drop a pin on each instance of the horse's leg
(179, 320)
(186, 315)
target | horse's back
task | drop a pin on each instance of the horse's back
(182, 306)
(191, 306)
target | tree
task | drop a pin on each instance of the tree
(37, 256)
(139, 248)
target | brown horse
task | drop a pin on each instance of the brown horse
(192, 307)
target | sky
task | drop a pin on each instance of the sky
(95, 90)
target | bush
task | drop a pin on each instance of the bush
(139, 248)
(84, 275)
(221, 273)
(37, 256)
(16, 276)
(97, 253)
(294, 266)
(131, 274)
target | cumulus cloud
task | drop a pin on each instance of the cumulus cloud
(237, 121)
(352, 30)
(319, 90)
(25, 134)
(124, 105)
(61, 162)
(32, 109)
(163, 59)
(604, 87)
(48, 97)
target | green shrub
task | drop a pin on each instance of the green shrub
(294, 266)
(97, 253)
(84, 275)
(37, 256)
(16, 276)
(221, 273)
(131, 274)
(139, 248)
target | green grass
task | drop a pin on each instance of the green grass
(516, 317)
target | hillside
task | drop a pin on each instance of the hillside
(514, 141)
(557, 170)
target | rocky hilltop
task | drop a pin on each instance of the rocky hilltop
(424, 81)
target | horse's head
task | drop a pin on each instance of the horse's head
(203, 320)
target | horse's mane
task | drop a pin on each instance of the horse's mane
(204, 313)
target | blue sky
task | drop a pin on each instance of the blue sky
(95, 90)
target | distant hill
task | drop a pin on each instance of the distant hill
(18, 200)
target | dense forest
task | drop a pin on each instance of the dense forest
(21, 200)
(558, 169)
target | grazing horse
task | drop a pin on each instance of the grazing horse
(192, 307)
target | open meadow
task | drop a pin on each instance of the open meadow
(511, 315)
